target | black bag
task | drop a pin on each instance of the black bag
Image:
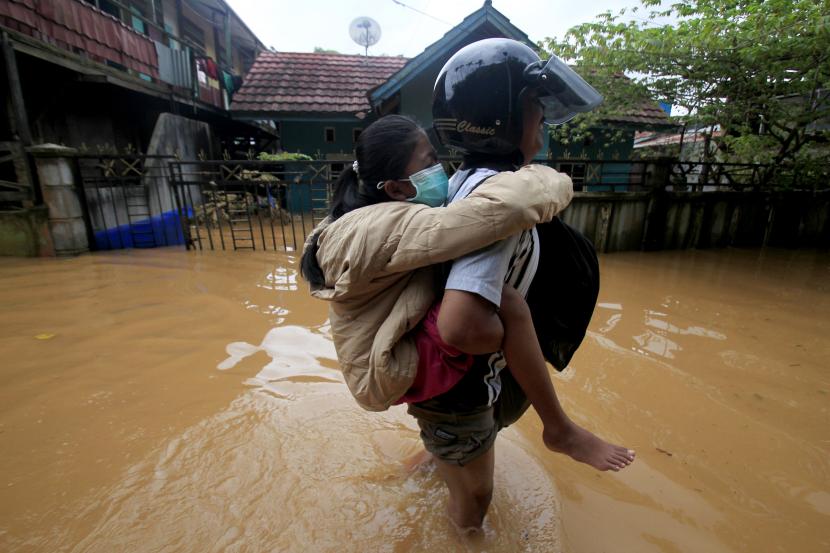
(564, 291)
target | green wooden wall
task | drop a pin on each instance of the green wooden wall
(309, 136)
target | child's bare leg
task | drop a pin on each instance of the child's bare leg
(527, 364)
(471, 489)
(416, 461)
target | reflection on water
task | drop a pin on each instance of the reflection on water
(655, 337)
(119, 433)
(281, 278)
(296, 354)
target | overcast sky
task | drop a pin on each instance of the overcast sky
(300, 25)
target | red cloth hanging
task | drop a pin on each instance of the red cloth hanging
(211, 69)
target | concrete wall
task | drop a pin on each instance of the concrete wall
(680, 220)
(25, 233)
(56, 176)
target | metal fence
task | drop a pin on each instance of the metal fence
(629, 175)
(602, 175)
(717, 176)
(147, 201)
(128, 201)
(251, 205)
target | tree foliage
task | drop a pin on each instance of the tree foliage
(758, 68)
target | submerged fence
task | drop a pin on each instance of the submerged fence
(251, 205)
(687, 176)
(135, 201)
(128, 200)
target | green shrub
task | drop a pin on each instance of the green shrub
(284, 156)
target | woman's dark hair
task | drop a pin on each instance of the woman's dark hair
(383, 151)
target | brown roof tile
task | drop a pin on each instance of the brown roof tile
(646, 114)
(307, 82)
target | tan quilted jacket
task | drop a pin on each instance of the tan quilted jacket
(377, 265)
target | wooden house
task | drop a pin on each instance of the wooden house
(320, 102)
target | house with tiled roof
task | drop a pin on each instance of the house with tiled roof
(320, 102)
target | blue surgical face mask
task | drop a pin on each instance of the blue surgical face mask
(431, 186)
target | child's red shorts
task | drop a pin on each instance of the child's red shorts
(440, 366)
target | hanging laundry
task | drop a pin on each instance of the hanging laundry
(201, 71)
(231, 82)
(211, 69)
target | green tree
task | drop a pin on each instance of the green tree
(758, 68)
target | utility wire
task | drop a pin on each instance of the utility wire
(398, 2)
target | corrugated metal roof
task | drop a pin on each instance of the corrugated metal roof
(74, 25)
(297, 82)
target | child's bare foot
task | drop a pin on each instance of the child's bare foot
(585, 447)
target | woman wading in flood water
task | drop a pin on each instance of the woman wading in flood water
(398, 341)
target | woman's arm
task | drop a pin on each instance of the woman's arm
(503, 205)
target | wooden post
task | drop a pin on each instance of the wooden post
(697, 218)
(16, 93)
(770, 221)
(604, 226)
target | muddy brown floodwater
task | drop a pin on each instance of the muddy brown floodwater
(170, 401)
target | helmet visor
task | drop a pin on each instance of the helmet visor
(562, 92)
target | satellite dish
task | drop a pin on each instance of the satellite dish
(365, 31)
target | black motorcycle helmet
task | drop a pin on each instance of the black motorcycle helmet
(477, 100)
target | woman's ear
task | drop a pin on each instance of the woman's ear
(399, 190)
